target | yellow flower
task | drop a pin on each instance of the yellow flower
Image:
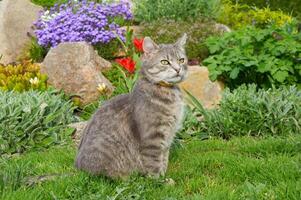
(102, 88)
(34, 81)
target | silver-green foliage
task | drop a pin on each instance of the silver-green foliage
(152, 10)
(32, 120)
(256, 112)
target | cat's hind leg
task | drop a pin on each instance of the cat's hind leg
(92, 162)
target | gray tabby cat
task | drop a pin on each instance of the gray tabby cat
(133, 132)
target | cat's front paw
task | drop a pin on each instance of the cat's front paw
(153, 176)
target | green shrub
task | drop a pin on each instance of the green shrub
(152, 10)
(108, 51)
(267, 57)
(190, 127)
(238, 16)
(289, 6)
(34, 52)
(22, 77)
(48, 3)
(166, 31)
(32, 120)
(248, 111)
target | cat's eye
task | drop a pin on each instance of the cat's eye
(165, 62)
(181, 60)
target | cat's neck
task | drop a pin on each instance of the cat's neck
(158, 85)
(151, 90)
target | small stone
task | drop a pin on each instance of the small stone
(169, 181)
(222, 28)
(76, 69)
(201, 87)
(79, 129)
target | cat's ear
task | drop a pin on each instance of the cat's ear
(149, 45)
(181, 41)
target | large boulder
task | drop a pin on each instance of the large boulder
(76, 69)
(199, 85)
(16, 20)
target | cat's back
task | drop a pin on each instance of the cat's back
(116, 104)
(108, 140)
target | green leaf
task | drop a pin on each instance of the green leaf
(280, 76)
(194, 101)
(234, 73)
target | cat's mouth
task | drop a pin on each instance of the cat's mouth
(176, 79)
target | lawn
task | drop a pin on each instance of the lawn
(240, 168)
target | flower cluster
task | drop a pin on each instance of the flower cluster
(82, 21)
(127, 62)
(138, 43)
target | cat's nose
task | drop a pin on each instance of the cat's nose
(177, 70)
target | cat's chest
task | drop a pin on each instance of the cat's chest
(174, 113)
(173, 121)
(178, 112)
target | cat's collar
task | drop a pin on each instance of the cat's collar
(165, 84)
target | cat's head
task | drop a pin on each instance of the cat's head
(164, 63)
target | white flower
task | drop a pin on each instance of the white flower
(34, 81)
(46, 17)
(102, 88)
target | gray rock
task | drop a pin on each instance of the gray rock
(16, 20)
(222, 28)
(79, 128)
(201, 87)
(76, 69)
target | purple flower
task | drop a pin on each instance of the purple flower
(82, 21)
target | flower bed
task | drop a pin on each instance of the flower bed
(74, 21)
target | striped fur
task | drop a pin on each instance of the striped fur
(133, 132)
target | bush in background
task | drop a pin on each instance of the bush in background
(254, 112)
(289, 6)
(266, 57)
(33, 52)
(167, 31)
(32, 120)
(153, 10)
(240, 15)
(48, 3)
(22, 77)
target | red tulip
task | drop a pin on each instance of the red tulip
(127, 63)
(138, 43)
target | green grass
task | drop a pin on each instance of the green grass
(241, 168)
